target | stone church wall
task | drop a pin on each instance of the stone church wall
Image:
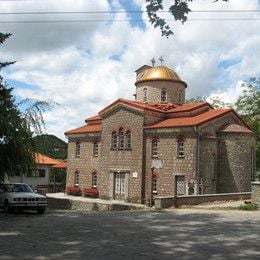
(154, 91)
(85, 164)
(129, 161)
(171, 164)
(235, 162)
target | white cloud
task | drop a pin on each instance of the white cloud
(85, 66)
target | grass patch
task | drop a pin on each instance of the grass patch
(250, 206)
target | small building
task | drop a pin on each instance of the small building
(40, 177)
(158, 144)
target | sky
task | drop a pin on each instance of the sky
(84, 66)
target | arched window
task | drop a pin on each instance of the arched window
(163, 95)
(76, 178)
(95, 148)
(154, 180)
(180, 147)
(121, 141)
(155, 148)
(114, 140)
(128, 140)
(77, 152)
(145, 95)
(94, 179)
(180, 97)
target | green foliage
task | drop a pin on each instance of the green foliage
(33, 113)
(51, 145)
(248, 207)
(248, 106)
(16, 138)
(179, 10)
(196, 100)
(16, 143)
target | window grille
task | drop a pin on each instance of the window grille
(155, 148)
(163, 95)
(95, 149)
(77, 153)
(128, 140)
(94, 179)
(121, 144)
(114, 141)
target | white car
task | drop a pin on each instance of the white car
(20, 196)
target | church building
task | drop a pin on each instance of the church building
(161, 146)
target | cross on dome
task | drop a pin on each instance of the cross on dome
(153, 61)
(161, 60)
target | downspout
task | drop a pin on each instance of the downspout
(197, 174)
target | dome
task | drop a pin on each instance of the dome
(160, 73)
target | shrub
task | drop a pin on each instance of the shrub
(250, 206)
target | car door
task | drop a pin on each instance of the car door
(1, 195)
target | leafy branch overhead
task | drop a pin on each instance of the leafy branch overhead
(179, 10)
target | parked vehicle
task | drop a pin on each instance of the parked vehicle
(20, 196)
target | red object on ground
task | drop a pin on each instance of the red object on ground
(91, 192)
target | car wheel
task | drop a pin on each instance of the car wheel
(6, 207)
(41, 211)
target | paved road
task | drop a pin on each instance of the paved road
(178, 234)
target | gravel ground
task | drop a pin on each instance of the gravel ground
(176, 234)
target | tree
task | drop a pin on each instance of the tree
(179, 10)
(17, 145)
(248, 106)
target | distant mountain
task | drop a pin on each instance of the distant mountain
(51, 146)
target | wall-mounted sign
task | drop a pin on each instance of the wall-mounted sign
(135, 174)
(157, 164)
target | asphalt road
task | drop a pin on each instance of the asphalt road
(178, 234)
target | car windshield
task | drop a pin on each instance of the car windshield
(17, 188)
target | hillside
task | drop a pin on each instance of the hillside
(51, 145)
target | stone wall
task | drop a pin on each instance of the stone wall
(128, 161)
(171, 165)
(235, 162)
(86, 164)
(164, 202)
(255, 186)
(173, 89)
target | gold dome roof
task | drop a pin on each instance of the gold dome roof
(160, 73)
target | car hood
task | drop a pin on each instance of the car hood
(25, 194)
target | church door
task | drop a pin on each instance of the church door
(120, 186)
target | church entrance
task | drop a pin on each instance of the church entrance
(119, 185)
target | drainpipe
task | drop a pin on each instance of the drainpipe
(151, 198)
(197, 174)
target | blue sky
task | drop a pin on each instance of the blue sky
(85, 66)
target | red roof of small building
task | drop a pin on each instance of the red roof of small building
(43, 159)
(190, 121)
(86, 129)
(60, 165)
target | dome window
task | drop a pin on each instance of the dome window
(145, 95)
(163, 95)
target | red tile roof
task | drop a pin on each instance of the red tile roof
(190, 121)
(60, 165)
(43, 159)
(158, 107)
(94, 118)
(85, 129)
